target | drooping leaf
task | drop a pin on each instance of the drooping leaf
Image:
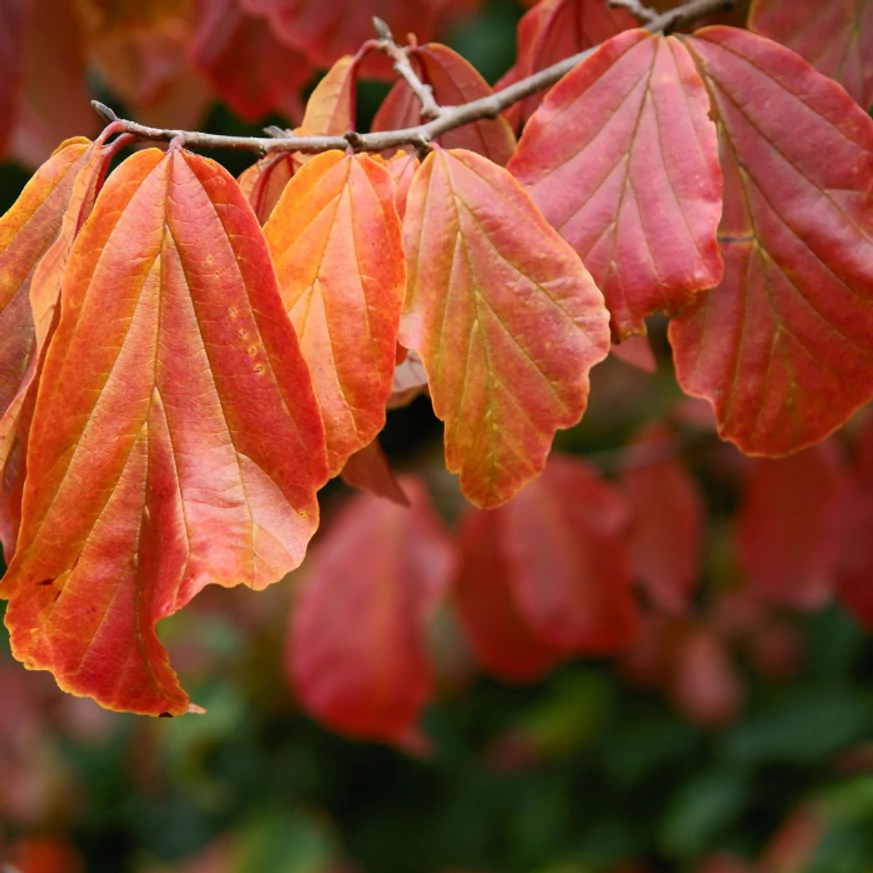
(637, 351)
(784, 524)
(263, 182)
(781, 348)
(62, 213)
(330, 110)
(556, 29)
(368, 470)
(11, 64)
(835, 37)
(454, 81)
(251, 70)
(623, 160)
(493, 625)
(567, 549)
(668, 519)
(336, 241)
(402, 168)
(54, 99)
(504, 316)
(176, 441)
(357, 649)
(327, 31)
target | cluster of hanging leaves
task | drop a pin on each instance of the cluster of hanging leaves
(188, 358)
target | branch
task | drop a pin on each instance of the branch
(642, 13)
(420, 137)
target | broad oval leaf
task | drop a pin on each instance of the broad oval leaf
(337, 244)
(357, 651)
(668, 519)
(505, 318)
(71, 200)
(327, 31)
(330, 110)
(254, 73)
(493, 625)
(623, 160)
(454, 81)
(176, 441)
(784, 525)
(781, 348)
(835, 37)
(567, 547)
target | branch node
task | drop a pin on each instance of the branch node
(355, 140)
(107, 114)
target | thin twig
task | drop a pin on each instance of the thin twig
(643, 14)
(451, 117)
(403, 67)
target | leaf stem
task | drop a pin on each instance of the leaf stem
(446, 118)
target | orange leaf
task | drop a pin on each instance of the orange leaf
(835, 37)
(336, 241)
(781, 348)
(402, 168)
(175, 442)
(251, 70)
(493, 624)
(668, 519)
(357, 649)
(368, 469)
(330, 110)
(62, 213)
(505, 317)
(454, 81)
(623, 160)
(784, 524)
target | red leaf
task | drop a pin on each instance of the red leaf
(505, 317)
(368, 469)
(357, 650)
(557, 29)
(668, 522)
(567, 547)
(454, 81)
(335, 237)
(330, 110)
(494, 627)
(149, 475)
(637, 351)
(623, 160)
(327, 31)
(783, 527)
(54, 100)
(11, 63)
(402, 168)
(263, 182)
(43, 225)
(835, 37)
(782, 347)
(254, 73)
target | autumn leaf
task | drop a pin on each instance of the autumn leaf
(357, 651)
(175, 442)
(402, 168)
(368, 469)
(784, 523)
(781, 348)
(330, 110)
(327, 31)
(623, 160)
(557, 29)
(835, 37)
(637, 352)
(241, 57)
(11, 64)
(505, 318)
(335, 237)
(69, 184)
(668, 519)
(493, 625)
(263, 182)
(454, 81)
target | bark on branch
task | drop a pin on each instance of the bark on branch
(421, 136)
